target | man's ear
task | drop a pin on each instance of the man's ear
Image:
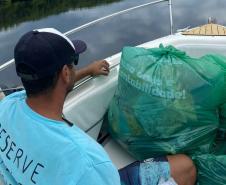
(65, 74)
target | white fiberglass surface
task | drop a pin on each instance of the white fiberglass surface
(200, 50)
(87, 105)
(194, 46)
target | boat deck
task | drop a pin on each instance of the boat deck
(207, 30)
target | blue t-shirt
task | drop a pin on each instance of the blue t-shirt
(38, 150)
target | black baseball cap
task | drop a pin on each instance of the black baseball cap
(44, 51)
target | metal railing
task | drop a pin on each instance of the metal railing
(123, 12)
(11, 62)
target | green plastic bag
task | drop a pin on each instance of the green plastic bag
(166, 102)
(211, 169)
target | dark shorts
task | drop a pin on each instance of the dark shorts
(148, 172)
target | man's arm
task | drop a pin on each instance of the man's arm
(100, 67)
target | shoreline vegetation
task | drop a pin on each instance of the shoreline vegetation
(14, 12)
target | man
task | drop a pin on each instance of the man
(37, 146)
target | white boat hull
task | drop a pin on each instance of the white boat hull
(87, 104)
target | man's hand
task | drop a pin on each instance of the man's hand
(100, 67)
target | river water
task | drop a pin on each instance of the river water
(105, 39)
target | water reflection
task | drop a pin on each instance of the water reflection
(13, 12)
(109, 37)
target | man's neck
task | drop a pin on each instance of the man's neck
(48, 105)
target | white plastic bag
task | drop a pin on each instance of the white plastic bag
(168, 182)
